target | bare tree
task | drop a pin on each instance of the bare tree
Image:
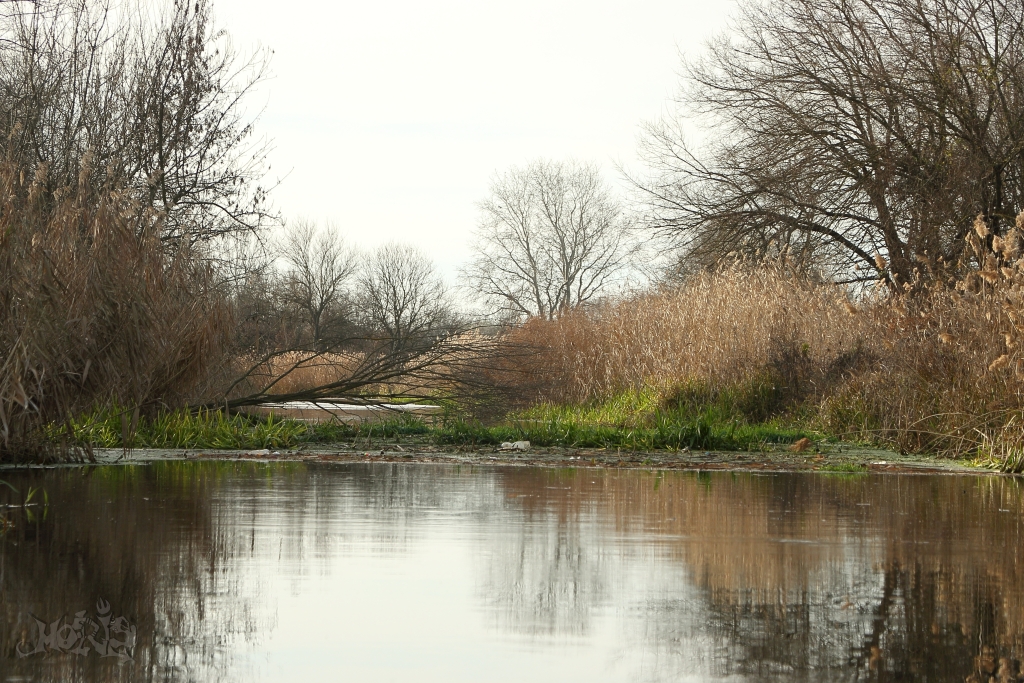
(114, 93)
(406, 340)
(248, 271)
(403, 296)
(863, 135)
(551, 238)
(318, 265)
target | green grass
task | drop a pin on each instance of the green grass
(690, 417)
(104, 428)
(667, 434)
(401, 426)
(184, 429)
(844, 468)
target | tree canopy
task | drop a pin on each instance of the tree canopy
(863, 137)
(124, 94)
(551, 237)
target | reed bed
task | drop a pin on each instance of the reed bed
(95, 309)
(297, 371)
(937, 369)
(438, 368)
(720, 328)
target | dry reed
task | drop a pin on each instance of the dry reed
(296, 371)
(94, 308)
(720, 328)
(939, 369)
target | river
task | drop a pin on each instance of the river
(247, 571)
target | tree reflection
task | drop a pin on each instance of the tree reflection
(857, 577)
(777, 577)
(147, 540)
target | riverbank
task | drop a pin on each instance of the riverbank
(555, 438)
(824, 458)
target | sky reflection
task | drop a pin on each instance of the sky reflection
(244, 571)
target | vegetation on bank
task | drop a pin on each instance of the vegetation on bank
(632, 421)
(745, 357)
(750, 356)
(938, 370)
(902, 327)
(136, 266)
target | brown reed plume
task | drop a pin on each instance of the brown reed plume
(719, 328)
(939, 369)
(94, 308)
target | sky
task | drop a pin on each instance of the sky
(391, 119)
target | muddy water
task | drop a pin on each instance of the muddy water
(184, 571)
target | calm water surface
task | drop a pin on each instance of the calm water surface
(364, 572)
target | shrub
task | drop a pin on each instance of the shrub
(94, 309)
(939, 369)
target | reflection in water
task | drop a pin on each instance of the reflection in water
(250, 571)
(144, 539)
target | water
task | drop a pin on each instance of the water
(364, 572)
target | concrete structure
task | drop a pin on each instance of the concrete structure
(323, 411)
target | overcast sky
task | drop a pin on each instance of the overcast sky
(391, 118)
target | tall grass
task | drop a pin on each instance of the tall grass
(295, 371)
(718, 329)
(212, 429)
(593, 427)
(186, 429)
(94, 309)
(937, 370)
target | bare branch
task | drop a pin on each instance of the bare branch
(551, 238)
(842, 130)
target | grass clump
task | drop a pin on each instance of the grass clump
(844, 468)
(392, 428)
(106, 428)
(185, 429)
(691, 416)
